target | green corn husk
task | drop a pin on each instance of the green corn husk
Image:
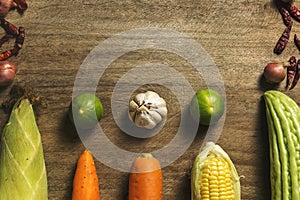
(22, 166)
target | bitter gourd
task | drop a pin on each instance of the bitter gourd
(283, 119)
(22, 166)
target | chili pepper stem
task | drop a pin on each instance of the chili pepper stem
(285, 64)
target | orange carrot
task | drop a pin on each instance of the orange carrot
(85, 183)
(145, 180)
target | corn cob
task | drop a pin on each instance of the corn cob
(214, 175)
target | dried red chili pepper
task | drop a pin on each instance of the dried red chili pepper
(293, 10)
(4, 39)
(283, 40)
(19, 41)
(21, 5)
(11, 32)
(297, 76)
(286, 17)
(297, 42)
(291, 70)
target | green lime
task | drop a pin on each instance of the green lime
(85, 111)
(207, 106)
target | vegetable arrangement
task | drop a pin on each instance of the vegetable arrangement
(85, 184)
(22, 166)
(145, 181)
(214, 175)
(283, 117)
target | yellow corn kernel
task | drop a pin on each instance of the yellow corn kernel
(214, 175)
(220, 184)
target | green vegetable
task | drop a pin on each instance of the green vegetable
(85, 111)
(22, 166)
(283, 118)
(207, 106)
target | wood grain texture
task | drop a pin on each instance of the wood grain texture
(239, 36)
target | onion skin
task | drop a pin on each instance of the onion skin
(274, 72)
(7, 72)
(5, 6)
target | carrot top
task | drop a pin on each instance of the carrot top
(145, 180)
(145, 163)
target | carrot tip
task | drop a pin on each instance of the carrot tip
(146, 155)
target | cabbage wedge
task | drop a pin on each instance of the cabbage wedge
(22, 166)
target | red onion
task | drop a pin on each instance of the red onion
(7, 73)
(5, 6)
(275, 72)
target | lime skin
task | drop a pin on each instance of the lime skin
(207, 106)
(85, 111)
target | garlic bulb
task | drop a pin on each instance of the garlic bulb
(147, 109)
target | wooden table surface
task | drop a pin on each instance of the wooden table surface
(238, 35)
